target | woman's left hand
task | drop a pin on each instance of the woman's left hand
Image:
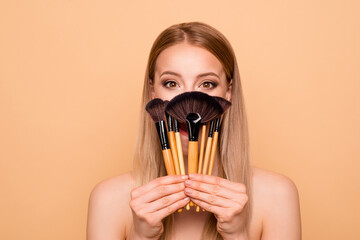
(225, 199)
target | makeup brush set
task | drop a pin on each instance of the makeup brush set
(197, 110)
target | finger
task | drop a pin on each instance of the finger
(164, 212)
(224, 183)
(170, 179)
(208, 198)
(159, 192)
(213, 189)
(210, 208)
(165, 201)
(222, 214)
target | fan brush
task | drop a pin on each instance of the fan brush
(193, 108)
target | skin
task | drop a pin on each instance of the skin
(114, 205)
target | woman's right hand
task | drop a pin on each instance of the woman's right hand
(154, 201)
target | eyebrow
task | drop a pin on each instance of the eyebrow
(200, 75)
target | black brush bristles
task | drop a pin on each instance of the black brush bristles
(194, 102)
(156, 109)
(225, 104)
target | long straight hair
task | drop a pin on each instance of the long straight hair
(233, 148)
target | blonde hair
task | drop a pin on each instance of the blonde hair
(233, 147)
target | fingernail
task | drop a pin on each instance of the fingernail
(192, 175)
(188, 182)
(187, 199)
(184, 177)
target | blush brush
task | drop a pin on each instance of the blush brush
(156, 109)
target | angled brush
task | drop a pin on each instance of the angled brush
(156, 109)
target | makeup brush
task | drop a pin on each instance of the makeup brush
(179, 147)
(193, 121)
(156, 109)
(193, 108)
(206, 106)
(172, 141)
(194, 102)
(208, 147)
(225, 105)
(214, 145)
(202, 146)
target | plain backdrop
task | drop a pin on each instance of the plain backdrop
(71, 75)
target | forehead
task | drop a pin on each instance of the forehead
(187, 59)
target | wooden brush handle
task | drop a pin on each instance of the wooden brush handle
(180, 153)
(168, 162)
(207, 155)
(192, 156)
(174, 152)
(213, 151)
(202, 147)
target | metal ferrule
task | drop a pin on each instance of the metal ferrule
(193, 121)
(163, 136)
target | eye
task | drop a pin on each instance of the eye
(208, 85)
(171, 84)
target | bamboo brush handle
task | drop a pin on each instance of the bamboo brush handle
(180, 153)
(168, 162)
(213, 151)
(207, 155)
(174, 152)
(202, 146)
(192, 156)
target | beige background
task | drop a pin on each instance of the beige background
(71, 76)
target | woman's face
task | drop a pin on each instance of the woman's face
(184, 68)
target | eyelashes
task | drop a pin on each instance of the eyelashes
(174, 84)
(170, 84)
(208, 85)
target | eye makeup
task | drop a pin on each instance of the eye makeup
(211, 84)
(170, 83)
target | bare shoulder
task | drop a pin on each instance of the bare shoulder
(109, 212)
(116, 188)
(273, 184)
(276, 200)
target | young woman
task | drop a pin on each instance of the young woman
(241, 202)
